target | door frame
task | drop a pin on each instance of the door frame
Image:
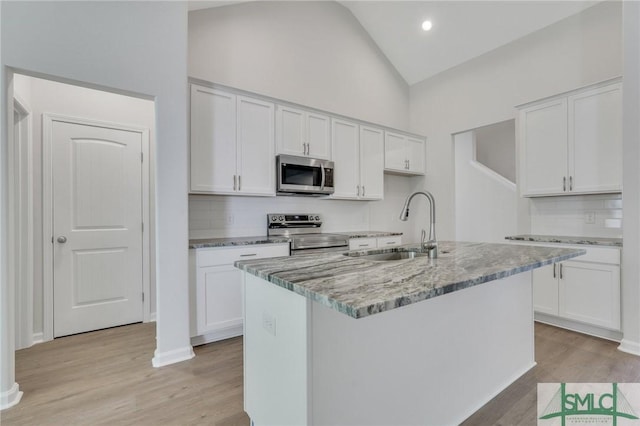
(47, 211)
(21, 237)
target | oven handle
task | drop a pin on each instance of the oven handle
(323, 177)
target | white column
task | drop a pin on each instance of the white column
(9, 390)
(631, 180)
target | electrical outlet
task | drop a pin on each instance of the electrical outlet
(590, 218)
(230, 219)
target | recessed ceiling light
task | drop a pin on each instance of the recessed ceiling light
(427, 25)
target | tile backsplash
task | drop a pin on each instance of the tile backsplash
(578, 215)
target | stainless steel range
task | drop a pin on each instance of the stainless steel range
(305, 233)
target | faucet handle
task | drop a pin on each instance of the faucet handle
(423, 236)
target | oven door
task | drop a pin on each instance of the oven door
(301, 175)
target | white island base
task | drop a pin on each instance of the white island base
(433, 362)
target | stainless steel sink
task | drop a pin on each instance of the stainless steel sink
(387, 256)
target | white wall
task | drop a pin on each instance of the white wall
(577, 51)
(313, 53)
(485, 202)
(134, 48)
(631, 180)
(52, 97)
(496, 148)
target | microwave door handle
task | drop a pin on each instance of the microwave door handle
(323, 177)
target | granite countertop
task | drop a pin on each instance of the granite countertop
(369, 234)
(593, 241)
(240, 241)
(359, 287)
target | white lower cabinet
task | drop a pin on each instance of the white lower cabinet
(216, 289)
(373, 242)
(585, 290)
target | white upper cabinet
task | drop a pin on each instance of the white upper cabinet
(572, 144)
(255, 144)
(595, 138)
(232, 146)
(213, 140)
(302, 133)
(404, 154)
(371, 163)
(359, 161)
(345, 141)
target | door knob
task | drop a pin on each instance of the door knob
(62, 239)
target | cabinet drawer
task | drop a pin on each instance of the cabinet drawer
(226, 256)
(362, 243)
(389, 241)
(599, 255)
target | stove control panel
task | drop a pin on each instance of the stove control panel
(288, 223)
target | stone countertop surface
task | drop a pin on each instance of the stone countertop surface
(231, 242)
(359, 287)
(592, 241)
(369, 234)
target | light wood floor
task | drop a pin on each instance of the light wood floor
(106, 377)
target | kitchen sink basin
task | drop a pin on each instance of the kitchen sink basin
(388, 256)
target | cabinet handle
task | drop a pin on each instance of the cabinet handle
(408, 164)
(570, 183)
(390, 242)
(249, 255)
(363, 245)
(564, 183)
(561, 271)
(358, 190)
(239, 181)
(363, 193)
(234, 182)
(554, 270)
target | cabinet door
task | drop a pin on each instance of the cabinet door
(291, 130)
(256, 160)
(416, 155)
(595, 140)
(543, 145)
(318, 136)
(371, 163)
(213, 140)
(545, 289)
(395, 155)
(590, 293)
(345, 148)
(219, 298)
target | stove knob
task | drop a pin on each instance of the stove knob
(274, 218)
(317, 217)
(281, 218)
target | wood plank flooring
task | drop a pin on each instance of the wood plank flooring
(106, 378)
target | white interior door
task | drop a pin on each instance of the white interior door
(97, 227)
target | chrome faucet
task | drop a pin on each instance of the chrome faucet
(431, 246)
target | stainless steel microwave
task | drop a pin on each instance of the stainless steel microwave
(303, 176)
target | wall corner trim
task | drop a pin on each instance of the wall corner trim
(160, 359)
(11, 397)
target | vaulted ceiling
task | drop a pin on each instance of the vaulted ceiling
(462, 30)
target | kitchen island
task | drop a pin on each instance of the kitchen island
(335, 339)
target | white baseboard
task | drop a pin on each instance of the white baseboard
(11, 397)
(579, 327)
(160, 359)
(38, 338)
(629, 347)
(227, 333)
